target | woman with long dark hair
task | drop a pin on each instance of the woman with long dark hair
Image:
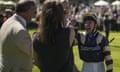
(53, 42)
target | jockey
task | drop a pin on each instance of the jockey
(93, 47)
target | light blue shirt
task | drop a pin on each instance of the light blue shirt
(22, 19)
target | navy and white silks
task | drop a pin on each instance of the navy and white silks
(93, 50)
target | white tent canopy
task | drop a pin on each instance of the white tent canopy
(2, 2)
(116, 2)
(56, 0)
(9, 3)
(101, 3)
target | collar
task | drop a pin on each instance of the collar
(22, 20)
(93, 34)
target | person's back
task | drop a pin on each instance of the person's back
(52, 43)
(58, 57)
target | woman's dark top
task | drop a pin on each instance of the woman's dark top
(58, 58)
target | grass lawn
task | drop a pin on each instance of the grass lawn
(115, 50)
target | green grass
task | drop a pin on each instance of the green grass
(115, 51)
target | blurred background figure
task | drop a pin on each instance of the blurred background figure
(107, 25)
(8, 13)
(1, 19)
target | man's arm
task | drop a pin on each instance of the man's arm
(24, 42)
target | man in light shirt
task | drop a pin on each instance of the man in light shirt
(15, 41)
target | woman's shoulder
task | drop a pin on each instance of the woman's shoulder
(36, 42)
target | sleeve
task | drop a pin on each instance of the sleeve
(107, 55)
(35, 50)
(77, 39)
(24, 42)
(35, 42)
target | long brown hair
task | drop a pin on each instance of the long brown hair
(52, 17)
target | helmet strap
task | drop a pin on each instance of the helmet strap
(94, 28)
